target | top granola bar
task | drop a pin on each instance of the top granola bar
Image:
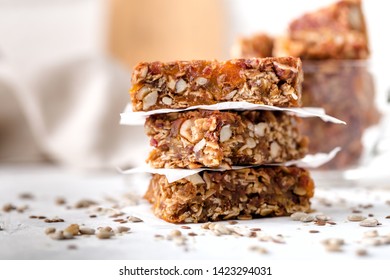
(272, 81)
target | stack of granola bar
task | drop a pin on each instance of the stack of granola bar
(222, 140)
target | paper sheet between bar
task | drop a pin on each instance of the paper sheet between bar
(128, 117)
(174, 174)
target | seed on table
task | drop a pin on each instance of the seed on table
(29, 196)
(60, 201)
(192, 234)
(41, 217)
(73, 229)
(297, 216)
(314, 231)
(8, 207)
(102, 234)
(185, 227)
(371, 233)
(86, 230)
(388, 217)
(72, 247)
(50, 230)
(232, 222)
(258, 249)
(122, 229)
(307, 219)
(33, 217)
(175, 233)
(331, 223)
(323, 218)
(92, 216)
(134, 219)
(361, 252)
(369, 222)
(334, 241)
(355, 218)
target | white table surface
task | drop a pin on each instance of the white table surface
(23, 238)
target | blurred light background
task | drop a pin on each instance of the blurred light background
(65, 66)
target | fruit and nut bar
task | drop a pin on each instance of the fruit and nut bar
(202, 138)
(181, 84)
(337, 31)
(257, 45)
(235, 194)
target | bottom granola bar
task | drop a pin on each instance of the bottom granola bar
(243, 194)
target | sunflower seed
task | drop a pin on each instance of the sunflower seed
(369, 222)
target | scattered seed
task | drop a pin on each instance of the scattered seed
(365, 206)
(320, 223)
(278, 239)
(60, 201)
(314, 231)
(369, 222)
(92, 216)
(123, 222)
(220, 229)
(27, 196)
(73, 229)
(206, 225)
(134, 219)
(371, 233)
(103, 234)
(8, 207)
(175, 233)
(122, 229)
(370, 215)
(307, 219)
(356, 211)
(33, 217)
(118, 220)
(232, 222)
(116, 215)
(252, 234)
(86, 230)
(185, 227)
(158, 236)
(55, 220)
(192, 234)
(322, 218)
(258, 249)
(21, 209)
(361, 252)
(72, 247)
(57, 235)
(41, 217)
(355, 218)
(84, 203)
(49, 230)
(372, 241)
(333, 248)
(297, 216)
(387, 217)
(333, 241)
(331, 223)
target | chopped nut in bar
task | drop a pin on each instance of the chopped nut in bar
(216, 139)
(337, 31)
(247, 193)
(181, 84)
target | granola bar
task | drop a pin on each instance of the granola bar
(180, 84)
(215, 139)
(243, 194)
(337, 31)
(257, 45)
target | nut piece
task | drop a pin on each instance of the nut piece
(225, 133)
(195, 179)
(200, 81)
(260, 129)
(167, 100)
(150, 99)
(181, 85)
(275, 149)
(200, 145)
(307, 219)
(251, 143)
(185, 129)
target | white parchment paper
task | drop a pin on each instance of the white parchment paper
(128, 117)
